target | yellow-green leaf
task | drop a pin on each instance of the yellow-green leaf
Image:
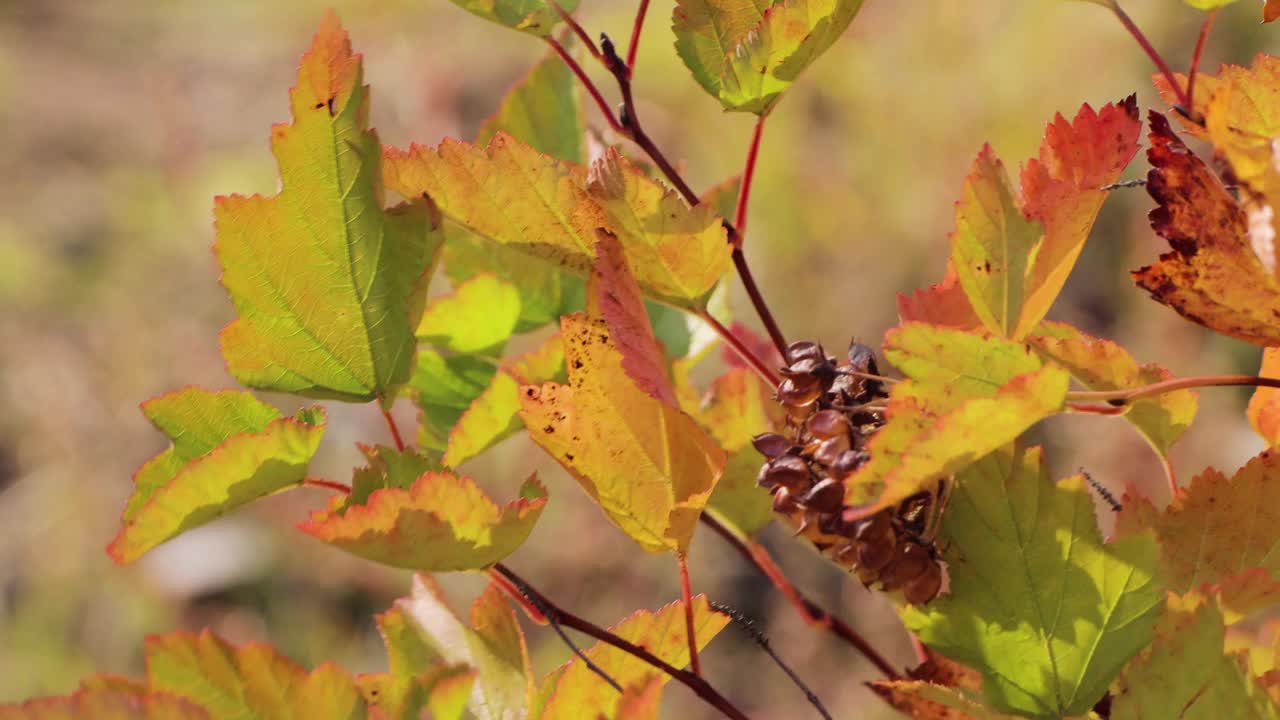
(228, 450)
(616, 426)
(707, 31)
(477, 317)
(551, 209)
(535, 17)
(444, 522)
(661, 633)
(1103, 365)
(106, 703)
(387, 468)
(543, 110)
(738, 407)
(328, 285)
(789, 37)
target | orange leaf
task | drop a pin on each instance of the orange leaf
(1264, 406)
(1270, 10)
(106, 703)
(944, 304)
(1212, 277)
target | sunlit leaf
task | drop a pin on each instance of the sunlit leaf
(494, 414)
(493, 645)
(443, 388)
(551, 209)
(228, 449)
(1270, 10)
(543, 110)
(535, 17)
(1217, 529)
(248, 682)
(790, 36)
(545, 291)
(478, 317)
(640, 701)
(616, 426)
(1264, 406)
(937, 689)
(739, 406)
(1208, 4)
(661, 633)
(1186, 674)
(707, 31)
(1103, 365)
(1038, 604)
(1212, 277)
(944, 304)
(328, 284)
(106, 704)
(444, 522)
(387, 468)
(966, 395)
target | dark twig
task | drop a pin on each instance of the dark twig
(809, 610)
(1139, 182)
(700, 687)
(758, 637)
(1102, 491)
(1120, 398)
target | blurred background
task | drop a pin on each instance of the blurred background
(120, 121)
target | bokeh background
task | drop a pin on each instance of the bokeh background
(120, 121)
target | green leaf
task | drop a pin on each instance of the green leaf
(1208, 4)
(443, 388)
(248, 682)
(417, 678)
(1186, 673)
(493, 645)
(707, 31)
(1103, 365)
(1038, 604)
(545, 291)
(328, 284)
(738, 407)
(574, 686)
(543, 111)
(387, 468)
(790, 36)
(535, 17)
(966, 395)
(477, 318)
(443, 522)
(228, 449)
(551, 209)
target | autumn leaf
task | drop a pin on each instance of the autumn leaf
(1264, 406)
(493, 645)
(106, 704)
(1038, 604)
(944, 304)
(1212, 277)
(387, 468)
(966, 395)
(535, 17)
(328, 285)
(1011, 257)
(1103, 365)
(1208, 4)
(551, 209)
(937, 689)
(1270, 10)
(228, 449)
(444, 387)
(443, 522)
(708, 31)
(250, 681)
(417, 678)
(739, 406)
(616, 426)
(1217, 529)
(574, 686)
(790, 36)
(476, 318)
(640, 701)
(1185, 673)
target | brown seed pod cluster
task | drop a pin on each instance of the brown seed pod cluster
(832, 410)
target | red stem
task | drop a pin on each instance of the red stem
(1195, 57)
(740, 216)
(812, 613)
(1120, 398)
(577, 29)
(395, 431)
(328, 485)
(686, 597)
(635, 36)
(743, 351)
(586, 82)
(1151, 53)
(699, 686)
(1169, 474)
(1086, 408)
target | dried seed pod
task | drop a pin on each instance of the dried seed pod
(830, 450)
(804, 368)
(799, 393)
(848, 462)
(876, 527)
(909, 562)
(862, 358)
(874, 555)
(788, 471)
(827, 424)
(771, 445)
(924, 587)
(825, 497)
(802, 349)
(783, 502)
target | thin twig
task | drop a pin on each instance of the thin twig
(1195, 57)
(577, 29)
(1120, 398)
(328, 485)
(1086, 408)
(391, 425)
(700, 687)
(812, 613)
(758, 302)
(1139, 182)
(760, 640)
(1152, 53)
(509, 587)
(768, 375)
(635, 36)
(686, 599)
(748, 173)
(592, 90)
